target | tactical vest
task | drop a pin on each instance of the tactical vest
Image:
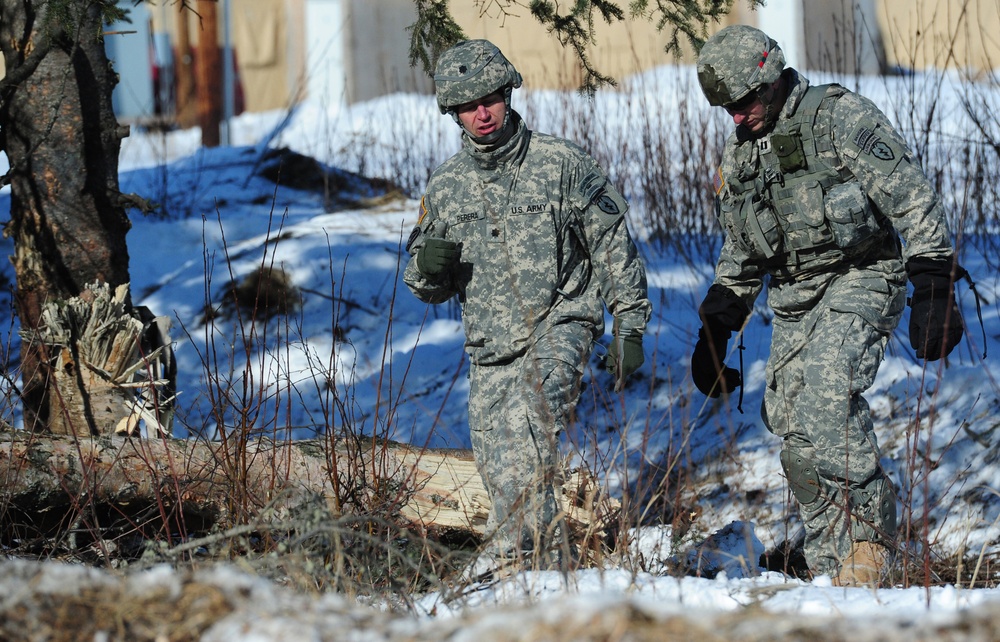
(792, 196)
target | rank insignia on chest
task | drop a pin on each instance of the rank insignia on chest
(495, 234)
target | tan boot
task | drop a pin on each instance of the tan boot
(865, 565)
(488, 567)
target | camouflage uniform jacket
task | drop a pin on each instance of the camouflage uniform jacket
(855, 190)
(543, 241)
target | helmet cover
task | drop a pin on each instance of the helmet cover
(470, 70)
(736, 61)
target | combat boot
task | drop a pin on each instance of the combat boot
(490, 567)
(865, 566)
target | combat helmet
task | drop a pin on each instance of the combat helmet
(470, 70)
(735, 61)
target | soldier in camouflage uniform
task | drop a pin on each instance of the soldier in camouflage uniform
(529, 233)
(814, 191)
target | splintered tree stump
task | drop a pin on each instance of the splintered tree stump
(54, 478)
(106, 374)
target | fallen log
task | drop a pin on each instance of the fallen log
(56, 481)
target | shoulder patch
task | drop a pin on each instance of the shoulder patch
(718, 181)
(870, 143)
(592, 185)
(607, 204)
(423, 211)
(596, 190)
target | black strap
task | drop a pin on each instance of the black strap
(740, 348)
(979, 308)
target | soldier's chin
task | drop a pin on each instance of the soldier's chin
(491, 136)
(759, 129)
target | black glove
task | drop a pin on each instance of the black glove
(436, 256)
(722, 312)
(710, 374)
(936, 325)
(624, 358)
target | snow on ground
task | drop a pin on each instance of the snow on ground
(396, 367)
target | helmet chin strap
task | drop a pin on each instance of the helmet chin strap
(768, 111)
(769, 98)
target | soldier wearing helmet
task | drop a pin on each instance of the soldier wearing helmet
(469, 72)
(530, 235)
(739, 85)
(815, 193)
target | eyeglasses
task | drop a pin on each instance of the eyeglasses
(742, 104)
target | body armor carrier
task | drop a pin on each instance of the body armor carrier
(792, 196)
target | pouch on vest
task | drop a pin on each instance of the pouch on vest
(762, 224)
(850, 215)
(788, 149)
(730, 217)
(801, 212)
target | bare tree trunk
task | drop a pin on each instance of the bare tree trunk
(187, 103)
(62, 140)
(209, 66)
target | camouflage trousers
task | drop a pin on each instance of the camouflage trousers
(819, 367)
(516, 412)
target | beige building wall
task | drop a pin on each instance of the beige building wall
(269, 39)
(920, 34)
(620, 49)
(844, 36)
(268, 54)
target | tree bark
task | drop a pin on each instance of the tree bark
(104, 348)
(187, 102)
(209, 66)
(436, 491)
(62, 141)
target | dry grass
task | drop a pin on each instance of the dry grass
(667, 178)
(52, 604)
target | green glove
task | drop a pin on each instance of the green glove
(436, 256)
(624, 358)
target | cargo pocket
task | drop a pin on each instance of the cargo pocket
(875, 299)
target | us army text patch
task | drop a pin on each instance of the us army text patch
(533, 208)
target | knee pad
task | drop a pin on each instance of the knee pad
(802, 476)
(873, 510)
